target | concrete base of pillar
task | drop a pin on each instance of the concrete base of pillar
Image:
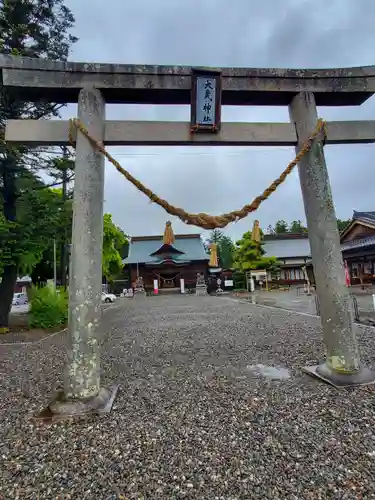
(365, 376)
(63, 409)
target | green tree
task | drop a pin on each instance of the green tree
(225, 248)
(249, 255)
(281, 227)
(62, 171)
(216, 236)
(114, 242)
(60, 234)
(115, 245)
(226, 252)
(343, 223)
(296, 227)
(24, 241)
(38, 29)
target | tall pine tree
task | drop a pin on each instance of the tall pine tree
(225, 248)
(29, 28)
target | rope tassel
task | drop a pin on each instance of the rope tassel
(203, 220)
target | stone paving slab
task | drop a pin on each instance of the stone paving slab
(212, 405)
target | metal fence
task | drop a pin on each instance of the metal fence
(356, 310)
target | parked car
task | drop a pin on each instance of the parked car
(108, 297)
(19, 299)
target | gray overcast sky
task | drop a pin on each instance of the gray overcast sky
(245, 33)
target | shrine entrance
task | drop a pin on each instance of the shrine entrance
(205, 91)
(168, 278)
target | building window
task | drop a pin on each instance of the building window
(285, 274)
(354, 270)
(367, 268)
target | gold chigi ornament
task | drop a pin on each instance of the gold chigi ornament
(168, 238)
(255, 235)
(213, 255)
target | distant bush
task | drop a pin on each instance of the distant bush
(48, 307)
(239, 279)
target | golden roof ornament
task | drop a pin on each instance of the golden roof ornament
(255, 235)
(213, 255)
(168, 238)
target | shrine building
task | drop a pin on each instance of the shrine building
(358, 248)
(292, 251)
(167, 258)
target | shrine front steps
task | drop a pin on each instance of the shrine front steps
(169, 291)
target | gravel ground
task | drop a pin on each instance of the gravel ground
(195, 416)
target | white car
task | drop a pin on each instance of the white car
(108, 297)
(19, 299)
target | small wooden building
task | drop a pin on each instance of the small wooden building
(358, 248)
(292, 250)
(23, 284)
(167, 258)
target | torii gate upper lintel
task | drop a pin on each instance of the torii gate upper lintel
(61, 82)
(93, 85)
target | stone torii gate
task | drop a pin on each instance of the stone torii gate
(93, 85)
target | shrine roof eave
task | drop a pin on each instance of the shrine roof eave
(163, 262)
(165, 248)
(359, 243)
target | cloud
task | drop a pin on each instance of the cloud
(292, 33)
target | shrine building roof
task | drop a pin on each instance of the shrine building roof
(189, 248)
(289, 245)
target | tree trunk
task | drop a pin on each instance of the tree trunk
(64, 242)
(8, 169)
(9, 279)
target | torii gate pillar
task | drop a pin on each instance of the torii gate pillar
(82, 391)
(342, 366)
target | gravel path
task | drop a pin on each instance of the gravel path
(195, 416)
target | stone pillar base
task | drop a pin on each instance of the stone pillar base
(64, 409)
(365, 376)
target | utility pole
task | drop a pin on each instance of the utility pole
(63, 253)
(54, 265)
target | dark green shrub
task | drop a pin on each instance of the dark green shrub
(48, 307)
(239, 279)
